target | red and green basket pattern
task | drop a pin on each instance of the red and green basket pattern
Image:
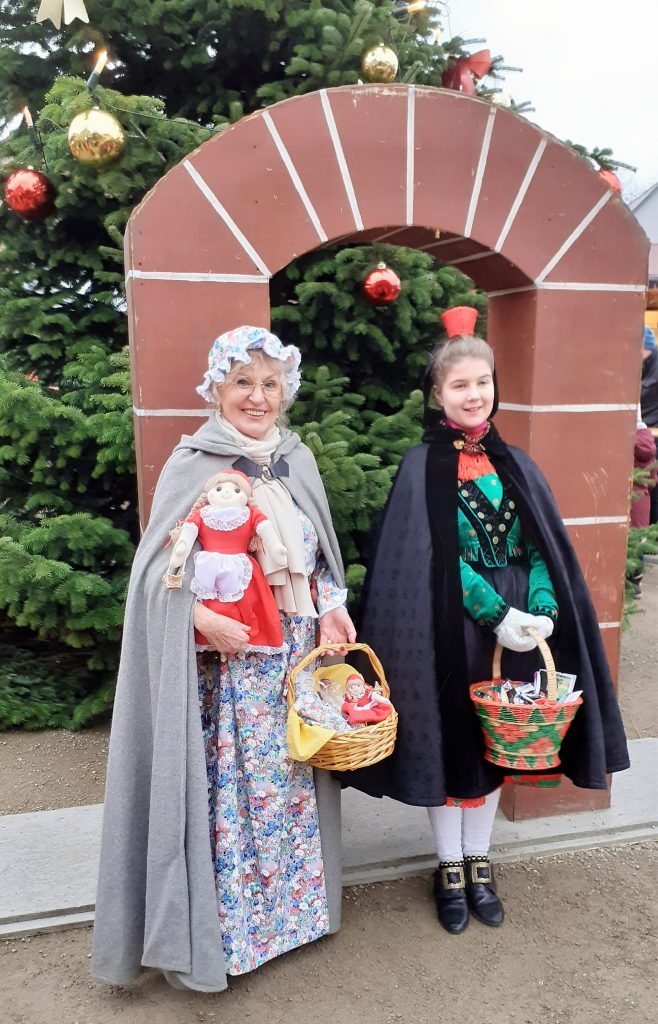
(524, 737)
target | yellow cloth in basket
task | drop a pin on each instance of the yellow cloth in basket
(304, 739)
(337, 673)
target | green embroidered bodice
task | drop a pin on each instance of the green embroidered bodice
(490, 535)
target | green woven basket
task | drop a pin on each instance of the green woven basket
(526, 737)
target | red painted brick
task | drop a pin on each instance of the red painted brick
(372, 126)
(512, 146)
(519, 803)
(601, 551)
(302, 126)
(449, 134)
(611, 643)
(172, 326)
(594, 256)
(562, 192)
(155, 438)
(246, 172)
(176, 229)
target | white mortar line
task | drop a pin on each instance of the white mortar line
(475, 256)
(504, 406)
(411, 128)
(479, 174)
(520, 195)
(595, 407)
(388, 234)
(340, 156)
(443, 241)
(171, 412)
(170, 275)
(570, 286)
(574, 236)
(584, 286)
(348, 234)
(292, 171)
(205, 189)
(595, 520)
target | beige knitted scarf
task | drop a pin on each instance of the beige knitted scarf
(290, 584)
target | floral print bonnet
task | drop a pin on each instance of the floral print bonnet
(235, 345)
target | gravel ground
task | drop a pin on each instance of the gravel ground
(638, 675)
(52, 768)
(578, 947)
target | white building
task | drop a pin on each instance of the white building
(645, 210)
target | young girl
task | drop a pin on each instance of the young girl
(472, 550)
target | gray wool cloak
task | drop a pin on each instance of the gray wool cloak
(156, 903)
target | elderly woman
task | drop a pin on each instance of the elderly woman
(218, 851)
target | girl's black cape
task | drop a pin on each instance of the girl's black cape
(413, 617)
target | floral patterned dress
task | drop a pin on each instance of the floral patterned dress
(264, 831)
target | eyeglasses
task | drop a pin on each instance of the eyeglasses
(270, 388)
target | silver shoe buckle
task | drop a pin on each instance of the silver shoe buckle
(477, 866)
(454, 870)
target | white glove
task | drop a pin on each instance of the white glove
(544, 626)
(511, 634)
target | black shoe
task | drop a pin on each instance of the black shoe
(481, 891)
(450, 896)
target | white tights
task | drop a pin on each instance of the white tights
(463, 831)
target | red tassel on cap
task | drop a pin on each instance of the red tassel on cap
(459, 320)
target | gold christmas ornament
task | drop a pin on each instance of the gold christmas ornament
(54, 9)
(96, 138)
(380, 64)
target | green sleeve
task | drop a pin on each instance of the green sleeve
(480, 599)
(541, 593)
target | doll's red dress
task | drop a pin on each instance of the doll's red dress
(365, 711)
(228, 580)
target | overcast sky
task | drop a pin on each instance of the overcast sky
(590, 68)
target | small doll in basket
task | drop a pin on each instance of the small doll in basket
(362, 704)
(227, 579)
(318, 701)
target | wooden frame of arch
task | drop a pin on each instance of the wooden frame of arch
(562, 258)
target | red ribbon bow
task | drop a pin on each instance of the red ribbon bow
(462, 72)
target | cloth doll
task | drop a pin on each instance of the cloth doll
(227, 579)
(319, 700)
(362, 704)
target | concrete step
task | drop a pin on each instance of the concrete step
(49, 860)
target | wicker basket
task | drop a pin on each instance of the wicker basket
(525, 737)
(361, 747)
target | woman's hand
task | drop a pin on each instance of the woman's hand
(336, 627)
(226, 635)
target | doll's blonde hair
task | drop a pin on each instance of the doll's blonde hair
(224, 476)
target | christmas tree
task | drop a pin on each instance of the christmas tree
(177, 73)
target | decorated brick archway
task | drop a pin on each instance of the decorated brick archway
(560, 255)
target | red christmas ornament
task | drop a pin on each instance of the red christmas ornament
(611, 179)
(30, 194)
(382, 286)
